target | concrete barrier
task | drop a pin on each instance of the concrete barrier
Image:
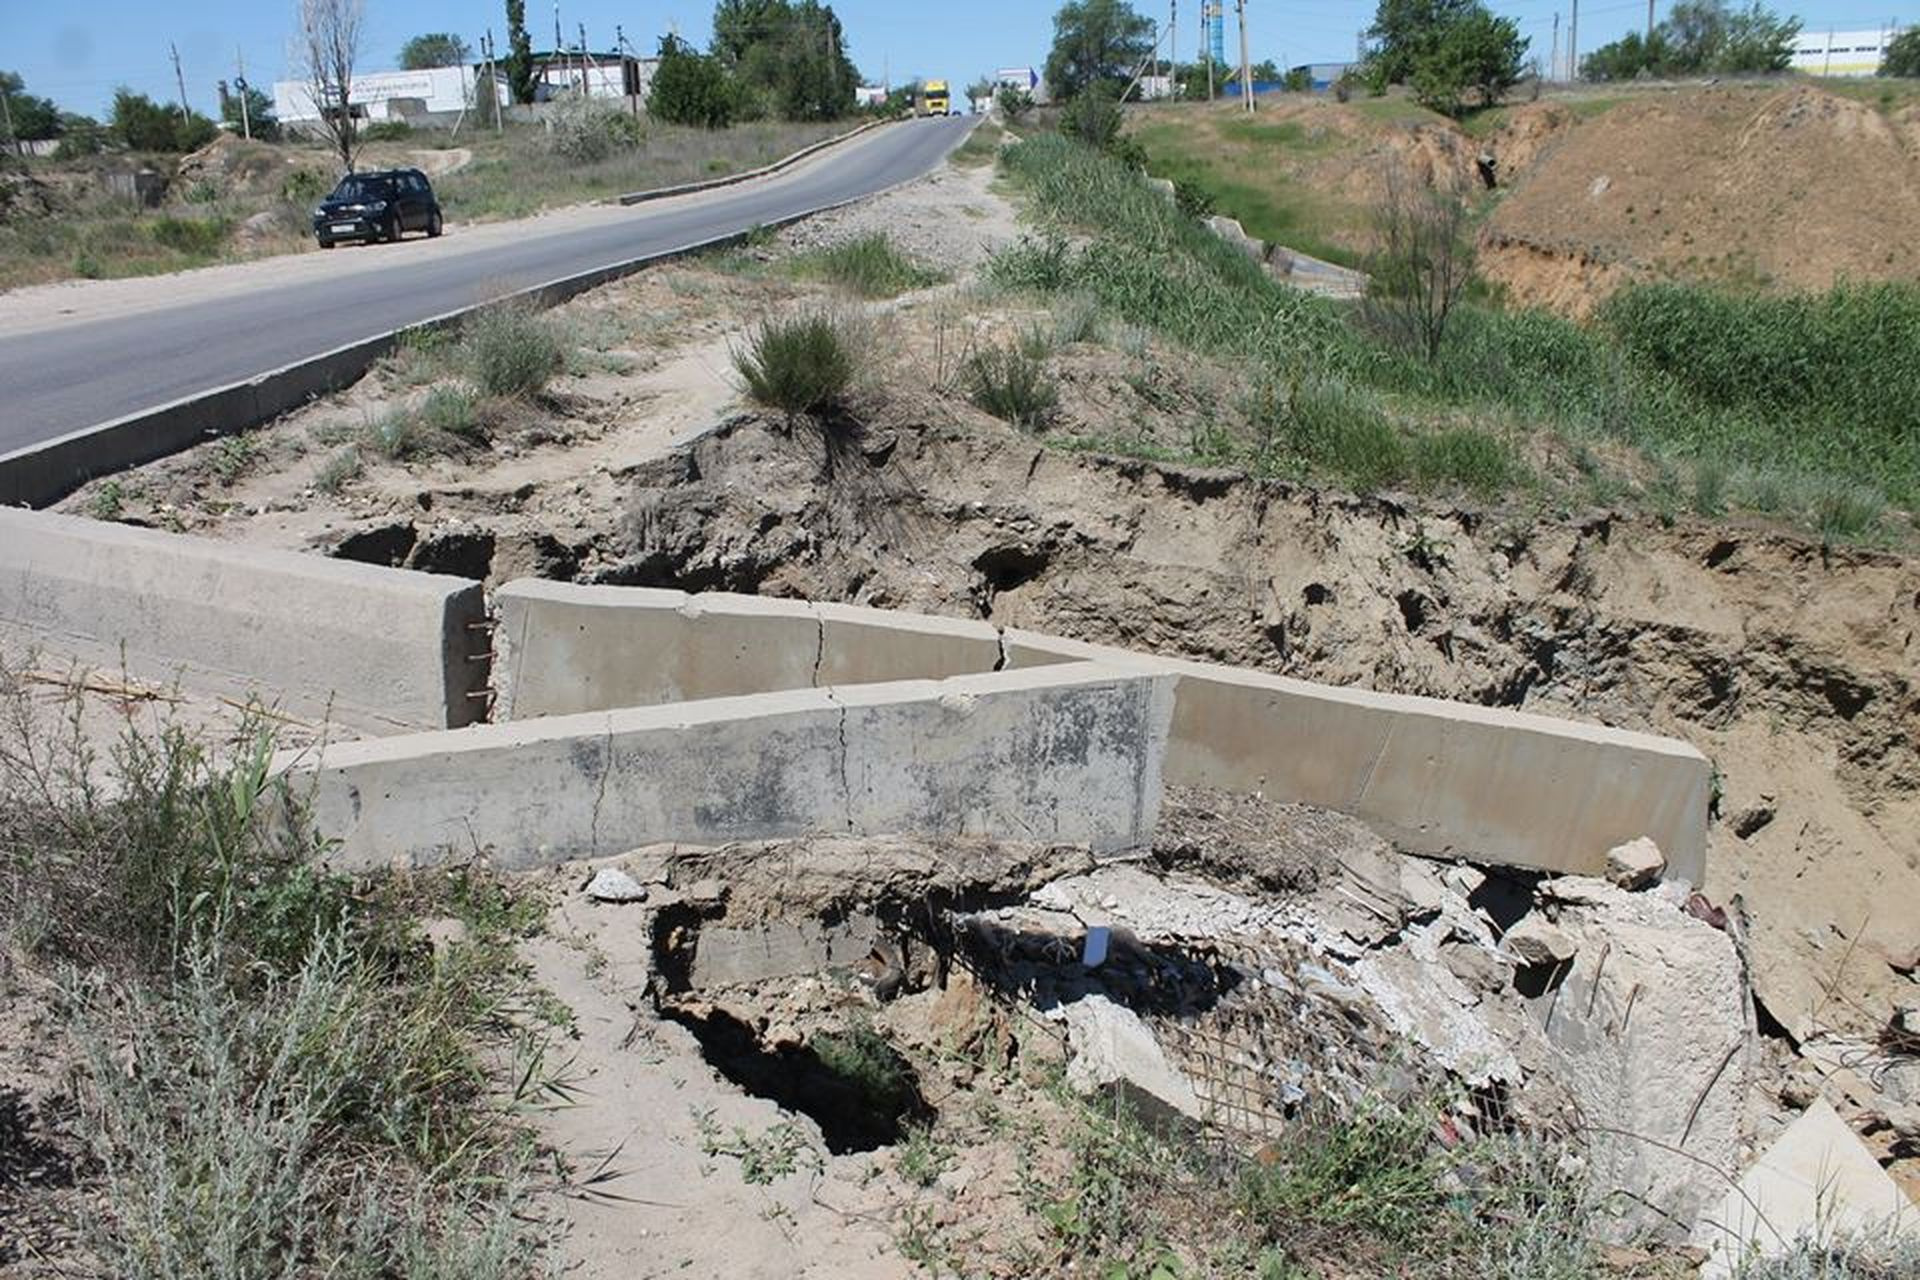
(1435, 777)
(566, 648)
(764, 171)
(381, 645)
(1070, 754)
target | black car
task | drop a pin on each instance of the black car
(377, 206)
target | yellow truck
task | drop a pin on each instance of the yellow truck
(934, 98)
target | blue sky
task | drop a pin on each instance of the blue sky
(76, 53)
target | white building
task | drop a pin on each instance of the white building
(1841, 53)
(377, 94)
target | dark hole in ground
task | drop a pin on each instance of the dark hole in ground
(1009, 566)
(386, 544)
(853, 1084)
(1413, 609)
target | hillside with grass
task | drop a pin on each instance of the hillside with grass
(1775, 185)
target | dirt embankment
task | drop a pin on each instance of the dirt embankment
(1793, 187)
(1792, 667)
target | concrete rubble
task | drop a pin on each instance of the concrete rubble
(1635, 864)
(1816, 1183)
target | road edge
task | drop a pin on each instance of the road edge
(40, 475)
(764, 171)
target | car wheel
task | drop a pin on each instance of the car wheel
(391, 232)
(327, 244)
(434, 228)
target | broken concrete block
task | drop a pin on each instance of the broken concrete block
(1537, 940)
(1817, 1181)
(1635, 864)
(1648, 1034)
(1111, 1048)
(611, 884)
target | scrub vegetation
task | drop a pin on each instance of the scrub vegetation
(277, 1073)
(1797, 406)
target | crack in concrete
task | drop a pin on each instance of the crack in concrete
(1000, 634)
(600, 795)
(819, 647)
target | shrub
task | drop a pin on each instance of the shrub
(1093, 117)
(691, 88)
(511, 350)
(1012, 384)
(589, 130)
(1464, 457)
(196, 237)
(452, 412)
(1015, 104)
(1844, 511)
(396, 435)
(338, 470)
(870, 266)
(799, 364)
(305, 187)
(386, 131)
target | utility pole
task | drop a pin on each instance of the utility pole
(1246, 67)
(1573, 43)
(6, 117)
(629, 66)
(1173, 44)
(1206, 40)
(179, 80)
(246, 118)
(1649, 22)
(493, 81)
(1553, 67)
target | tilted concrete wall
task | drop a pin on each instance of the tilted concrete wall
(1070, 754)
(566, 648)
(1436, 777)
(383, 645)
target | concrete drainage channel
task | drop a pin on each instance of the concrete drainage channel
(878, 825)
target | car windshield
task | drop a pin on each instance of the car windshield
(361, 190)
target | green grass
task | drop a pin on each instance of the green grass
(1012, 384)
(800, 364)
(1362, 1191)
(1797, 406)
(981, 146)
(314, 1092)
(870, 266)
(1265, 200)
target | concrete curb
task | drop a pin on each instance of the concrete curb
(764, 171)
(42, 474)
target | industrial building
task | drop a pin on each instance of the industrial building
(401, 95)
(1842, 53)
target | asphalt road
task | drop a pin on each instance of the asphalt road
(71, 376)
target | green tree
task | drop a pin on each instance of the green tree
(1297, 80)
(1755, 40)
(1404, 29)
(34, 118)
(1902, 57)
(1478, 51)
(1700, 36)
(1627, 57)
(259, 111)
(1266, 72)
(519, 52)
(1096, 42)
(435, 49)
(980, 91)
(141, 124)
(690, 87)
(788, 56)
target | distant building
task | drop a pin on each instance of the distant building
(1018, 78)
(398, 95)
(1841, 53)
(382, 95)
(601, 75)
(1321, 75)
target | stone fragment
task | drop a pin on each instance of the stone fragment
(1815, 1182)
(1751, 820)
(1635, 864)
(1112, 1048)
(611, 884)
(1537, 940)
(707, 893)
